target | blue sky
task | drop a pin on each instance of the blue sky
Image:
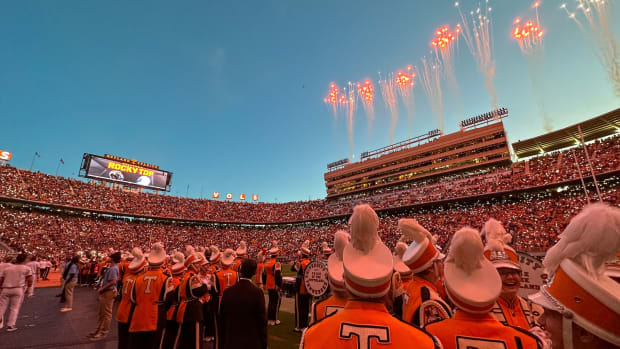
(229, 95)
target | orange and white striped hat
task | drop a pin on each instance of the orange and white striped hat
(497, 249)
(367, 261)
(138, 261)
(157, 256)
(228, 257)
(191, 257)
(274, 250)
(578, 288)
(179, 263)
(216, 255)
(421, 253)
(472, 282)
(399, 266)
(335, 269)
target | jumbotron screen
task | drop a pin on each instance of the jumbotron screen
(99, 167)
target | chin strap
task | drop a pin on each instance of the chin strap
(567, 329)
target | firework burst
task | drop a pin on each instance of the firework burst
(596, 13)
(366, 92)
(477, 35)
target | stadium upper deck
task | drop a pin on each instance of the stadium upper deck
(456, 152)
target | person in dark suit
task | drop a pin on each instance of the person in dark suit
(243, 318)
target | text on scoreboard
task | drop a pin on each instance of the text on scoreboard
(104, 168)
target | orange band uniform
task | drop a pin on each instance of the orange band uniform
(149, 294)
(326, 307)
(466, 330)
(365, 322)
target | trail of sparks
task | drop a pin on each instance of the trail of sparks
(596, 13)
(430, 75)
(404, 83)
(366, 92)
(443, 45)
(350, 106)
(480, 43)
(529, 35)
(343, 103)
(388, 87)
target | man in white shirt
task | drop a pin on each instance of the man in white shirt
(14, 279)
(34, 267)
(5, 263)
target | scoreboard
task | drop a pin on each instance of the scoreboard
(120, 170)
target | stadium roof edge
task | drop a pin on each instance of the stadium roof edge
(598, 127)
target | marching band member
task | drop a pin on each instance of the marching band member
(424, 304)
(400, 280)
(226, 277)
(260, 265)
(177, 270)
(473, 285)
(302, 297)
(338, 298)
(242, 253)
(582, 304)
(125, 309)
(365, 322)
(509, 309)
(189, 313)
(149, 295)
(273, 283)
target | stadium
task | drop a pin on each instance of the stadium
(438, 230)
(445, 181)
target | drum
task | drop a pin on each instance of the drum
(288, 286)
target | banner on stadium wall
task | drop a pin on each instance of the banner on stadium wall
(533, 274)
(228, 196)
(5, 155)
(241, 196)
(254, 197)
(216, 195)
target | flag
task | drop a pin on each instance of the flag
(62, 162)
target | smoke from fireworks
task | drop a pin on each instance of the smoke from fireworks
(388, 91)
(529, 35)
(596, 13)
(430, 76)
(404, 83)
(480, 43)
(366, 91)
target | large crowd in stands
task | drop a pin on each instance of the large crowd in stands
(543, 170)
(534, 218)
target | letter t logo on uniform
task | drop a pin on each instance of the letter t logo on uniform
(364, 333)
